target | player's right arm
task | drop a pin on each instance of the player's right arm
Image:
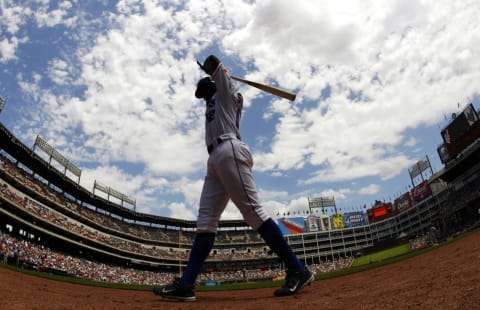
(217, 71)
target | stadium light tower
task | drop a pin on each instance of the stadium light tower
(2, 103)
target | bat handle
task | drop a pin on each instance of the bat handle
(201, 66)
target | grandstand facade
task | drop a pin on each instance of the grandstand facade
(42, 205)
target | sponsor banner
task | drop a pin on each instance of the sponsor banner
(443, 153)
(337, 221)
(325, 223)
(292, 225)
(353, 219)
(312, 222)
(470, 114)
(421, 192)
(403, 202)
(210, 283)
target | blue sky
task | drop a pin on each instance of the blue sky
(111, 86)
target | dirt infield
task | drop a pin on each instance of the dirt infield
(445, 278)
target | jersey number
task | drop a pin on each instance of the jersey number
(210, 115)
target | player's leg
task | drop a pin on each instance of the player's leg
(212, 203)
(297, 275)
(236, 175)
(234, 171)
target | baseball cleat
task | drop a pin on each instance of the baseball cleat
(295, 280)
(176, 291)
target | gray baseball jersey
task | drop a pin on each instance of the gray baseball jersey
(224, 110)
(229, 166)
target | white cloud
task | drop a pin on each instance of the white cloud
(371, 189)
(299, 204)
(13, 18)
(58, 71)
(190, 189)
(269, 194)
(411, 142)
(121, 89)
(393, 60)
(180, 211)
(47, 17)
(113, 177)
(8, 48)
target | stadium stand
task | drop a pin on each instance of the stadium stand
(51, 223)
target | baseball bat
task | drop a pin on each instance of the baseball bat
(267, 88)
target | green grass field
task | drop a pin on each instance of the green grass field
(382, 255)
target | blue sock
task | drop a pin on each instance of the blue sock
(277, 243)
(202, 245)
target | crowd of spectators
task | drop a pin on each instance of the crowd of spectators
(29, 254)
(149, 234)
(459, 198)
(332, 265)
(44, 213)
(425, 240)
(26, 253)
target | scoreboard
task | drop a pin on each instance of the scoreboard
(461, 132)
(380, 212)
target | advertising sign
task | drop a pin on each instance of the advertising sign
(293, 225)
(325, 223)
(403, 202)
(353, 219)
(337, 221)
(443, 153)
(312, 222)
(421, 192)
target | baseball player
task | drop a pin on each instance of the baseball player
(229, 176)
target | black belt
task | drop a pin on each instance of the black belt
(213, 145)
